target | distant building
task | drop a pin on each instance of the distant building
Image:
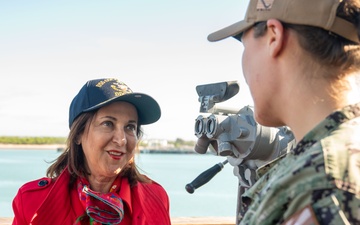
(156, 144)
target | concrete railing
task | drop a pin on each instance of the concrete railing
(203, 221)
(174, 221)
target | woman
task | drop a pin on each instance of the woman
(309, 80)
(95, 180)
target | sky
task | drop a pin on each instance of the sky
(49, 49)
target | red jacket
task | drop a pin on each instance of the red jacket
(44, 201)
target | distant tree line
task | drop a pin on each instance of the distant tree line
(62, 140)
(180, 142)
(32, 140)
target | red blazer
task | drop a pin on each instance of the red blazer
(45, 201)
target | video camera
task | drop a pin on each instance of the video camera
(235, 134)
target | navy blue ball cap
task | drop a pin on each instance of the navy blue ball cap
(100, 92)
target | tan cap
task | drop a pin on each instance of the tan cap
(318, 13)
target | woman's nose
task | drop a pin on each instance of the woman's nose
(119, 137)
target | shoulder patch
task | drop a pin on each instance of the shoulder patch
(304, 216)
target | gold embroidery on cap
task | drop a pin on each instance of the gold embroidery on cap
(264, 5)
(101, 83)
(120, 89)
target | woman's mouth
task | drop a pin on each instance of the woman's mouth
(115, 154)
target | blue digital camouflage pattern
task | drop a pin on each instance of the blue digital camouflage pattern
(322, 172)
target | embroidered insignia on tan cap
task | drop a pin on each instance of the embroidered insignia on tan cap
(264, 5)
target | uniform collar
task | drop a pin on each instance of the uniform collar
(325, 127)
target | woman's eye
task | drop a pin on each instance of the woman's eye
(131, 127)
(107, 123)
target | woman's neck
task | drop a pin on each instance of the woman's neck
(100, 184)
(314, 104)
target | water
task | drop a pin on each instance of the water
(172, 171)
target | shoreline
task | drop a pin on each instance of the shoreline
(31, 147)
(61, 147)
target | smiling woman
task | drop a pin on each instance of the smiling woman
(95, 180)
(108, 143)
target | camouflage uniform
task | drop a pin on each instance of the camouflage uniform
(321, 174)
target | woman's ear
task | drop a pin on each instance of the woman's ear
(276, 36)
(78, 140)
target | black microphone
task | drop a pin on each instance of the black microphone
(205, 177)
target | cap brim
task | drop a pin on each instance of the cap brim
(230, 31)
(148, 109)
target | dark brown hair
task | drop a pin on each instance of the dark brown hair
(74, 160)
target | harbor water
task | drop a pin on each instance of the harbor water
(173, 171)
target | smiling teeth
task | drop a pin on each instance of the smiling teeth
(115, 153)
